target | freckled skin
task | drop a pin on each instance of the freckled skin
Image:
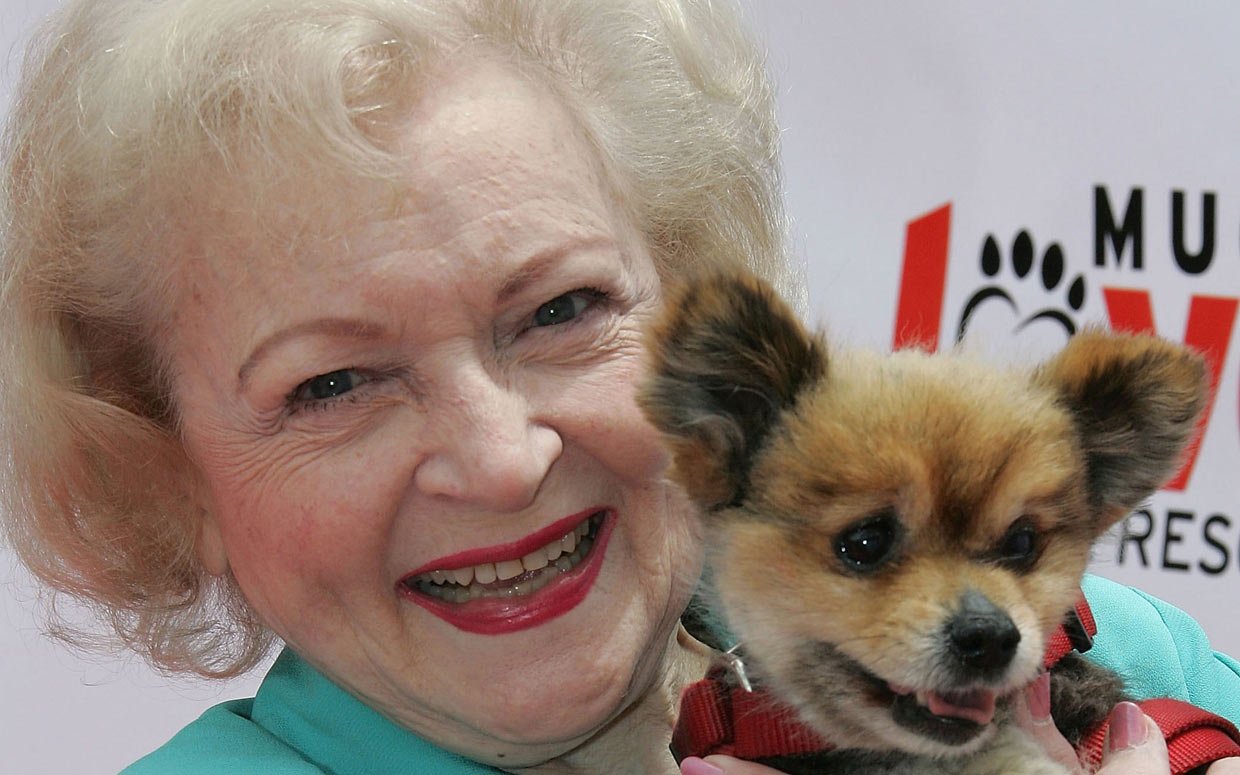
(470, 427)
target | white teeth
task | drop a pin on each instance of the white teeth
(508, 569)
(463, 584)
(485, 573)
(536, 560)
(553, 550)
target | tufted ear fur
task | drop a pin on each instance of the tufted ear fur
(727, 358)
(1135, 401)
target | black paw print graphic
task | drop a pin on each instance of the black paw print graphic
(1051, 276)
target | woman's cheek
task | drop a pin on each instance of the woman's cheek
(290, 500)
(620, 412)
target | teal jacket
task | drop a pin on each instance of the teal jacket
(301, 723)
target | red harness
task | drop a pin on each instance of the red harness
(716, 716)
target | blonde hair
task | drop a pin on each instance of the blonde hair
(129, 110)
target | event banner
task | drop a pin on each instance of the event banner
(998, 176)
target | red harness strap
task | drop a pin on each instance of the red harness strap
(718, 717)
(1194, 736)
(1075, 634)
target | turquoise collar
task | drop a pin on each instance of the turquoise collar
(338, 732)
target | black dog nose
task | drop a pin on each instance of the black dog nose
(981, 635)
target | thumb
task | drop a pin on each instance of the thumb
(1134, 744)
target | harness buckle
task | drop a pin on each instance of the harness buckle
(1078, 635)
(731, 660)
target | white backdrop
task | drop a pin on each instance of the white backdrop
(1064, 134)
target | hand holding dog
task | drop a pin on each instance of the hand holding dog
(1149, 758)
(1135, 745)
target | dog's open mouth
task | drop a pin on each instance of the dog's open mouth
(953, 717)
(976, 705)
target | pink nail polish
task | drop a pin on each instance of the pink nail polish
(695, 766)
(1128, 727)
(1039, 697)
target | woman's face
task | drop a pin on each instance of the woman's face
(424, 463)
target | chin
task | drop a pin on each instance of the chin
(568, 695)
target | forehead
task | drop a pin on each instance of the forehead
(486, 158)
(957, 438)
(494, 174)
(497, 138)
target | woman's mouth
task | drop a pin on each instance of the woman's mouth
(493, 591)
(515, 577)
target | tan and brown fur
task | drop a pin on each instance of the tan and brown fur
(790, 449)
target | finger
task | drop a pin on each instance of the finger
(691, 765)
(723, 765)
(1134, 744)
(1225, 767)
(1034, 716)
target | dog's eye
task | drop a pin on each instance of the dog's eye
(1019, 548)
(869, 543)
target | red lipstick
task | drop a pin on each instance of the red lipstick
(494, 615)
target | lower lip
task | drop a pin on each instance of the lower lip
(496, 616)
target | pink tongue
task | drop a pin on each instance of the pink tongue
(977, 705)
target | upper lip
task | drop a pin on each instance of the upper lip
(513, 550)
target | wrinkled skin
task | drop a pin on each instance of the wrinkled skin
(452, 374)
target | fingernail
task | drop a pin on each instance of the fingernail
(695, 766)
(1038, 695)
(1128, 727)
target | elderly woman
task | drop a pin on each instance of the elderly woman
(322, 323)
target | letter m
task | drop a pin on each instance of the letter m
(1130, 230)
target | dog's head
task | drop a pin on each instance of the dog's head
(893, 537)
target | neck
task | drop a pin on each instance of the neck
(636, 741)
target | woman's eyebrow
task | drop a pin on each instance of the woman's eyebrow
(337, 327)
(544, 263)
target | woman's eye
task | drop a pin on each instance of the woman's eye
(564, 308)
(326, 386)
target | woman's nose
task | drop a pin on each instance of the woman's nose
(487, 449)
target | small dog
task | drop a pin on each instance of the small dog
(892, 538)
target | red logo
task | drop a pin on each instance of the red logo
(919, 312)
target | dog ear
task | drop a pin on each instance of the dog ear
(727, 357)
(1135, 401)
